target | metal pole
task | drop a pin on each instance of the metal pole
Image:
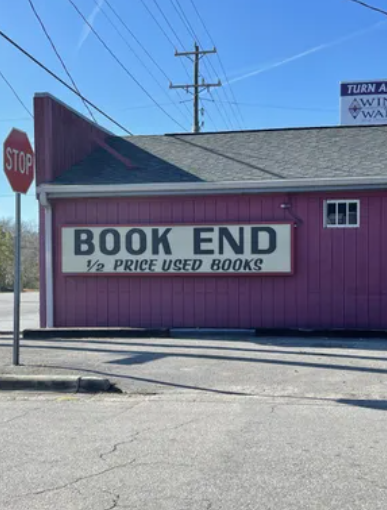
(16, 287)
(196, 126)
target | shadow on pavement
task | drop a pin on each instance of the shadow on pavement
(146, 380)
(380, 405)
(153, 356)
(380, 347)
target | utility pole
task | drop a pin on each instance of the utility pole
(196, 86)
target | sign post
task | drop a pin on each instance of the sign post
(19, 170)
(16, 284)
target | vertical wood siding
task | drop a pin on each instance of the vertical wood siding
(340, 275)
(62, 138)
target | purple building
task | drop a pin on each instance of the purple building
(253, 229)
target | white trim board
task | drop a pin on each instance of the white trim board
(209, 188)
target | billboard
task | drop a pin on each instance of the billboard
(363, 103)
(259, 248)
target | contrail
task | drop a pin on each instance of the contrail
(86, 29)
(320, 47)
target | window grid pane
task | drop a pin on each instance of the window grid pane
(341, 213)
(331, 214)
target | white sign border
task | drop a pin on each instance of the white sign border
(292, 224)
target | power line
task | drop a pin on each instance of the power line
(59, 57)
(144, 106)
(58, 78)
(22, 119)
(279, 107)
(164, 33)
(172, 30)
(184, 19)
(125, 25)
(191, 31)
(368, 6)
(169, 24)
(247, 105)
(206, 112)
(136, 39)
(119, 62)
(220, 60)
(180, 11)
(159, 24)
(225, 120)
(16, 94)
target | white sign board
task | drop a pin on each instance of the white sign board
(178, 249)
(363, 103)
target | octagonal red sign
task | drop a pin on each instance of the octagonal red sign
(18, 158)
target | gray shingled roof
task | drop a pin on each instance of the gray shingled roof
(237, 156)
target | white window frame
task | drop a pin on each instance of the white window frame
(337, 202)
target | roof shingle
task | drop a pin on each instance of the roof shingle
(236, 156)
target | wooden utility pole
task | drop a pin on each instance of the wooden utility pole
(196, 86)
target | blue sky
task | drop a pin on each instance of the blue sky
(284, 59)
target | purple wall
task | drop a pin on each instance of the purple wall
(340, 275)
(62, 138)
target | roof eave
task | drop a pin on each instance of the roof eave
(212, 188)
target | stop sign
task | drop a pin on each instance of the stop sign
(18, 161)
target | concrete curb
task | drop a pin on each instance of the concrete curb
(51, 333)
(63, 333)
(322, 333)
(57, 383)
(200, 332)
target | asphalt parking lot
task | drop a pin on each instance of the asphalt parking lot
(202, 424)
(239, 365)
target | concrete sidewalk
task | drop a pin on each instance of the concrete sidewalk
(221, 365)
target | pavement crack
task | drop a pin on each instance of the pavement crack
(114, 448)
(77, 480)
(180, 425)
(18, 417)
(115, 502)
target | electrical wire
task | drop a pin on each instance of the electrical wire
(184, 19)
(248, 105)
(168, 23)
(59, 79)
(165, 34)
(125, 25)
(368, 6)
(59, 57)
(220, 60)
(22, 119)
(180, 11)
(279, 107)
(119, 62)
(174, 32)
(224, 118)
(206, 112)
(159, 24)
(189, 27)
(16, 95)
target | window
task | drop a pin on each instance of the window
(341, 213)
